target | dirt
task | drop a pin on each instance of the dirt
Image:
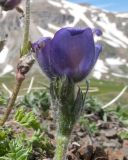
(104, 145)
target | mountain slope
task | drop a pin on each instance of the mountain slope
(49, 16)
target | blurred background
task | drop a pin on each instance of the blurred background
(110, 74)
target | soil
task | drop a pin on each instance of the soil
(104, 145)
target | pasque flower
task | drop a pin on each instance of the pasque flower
(71, 52)
(9, 4)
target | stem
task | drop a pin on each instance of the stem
(61, 148)
(65, 126)
(25, 47)
(11, 101)
(19, 81)
(67, 107)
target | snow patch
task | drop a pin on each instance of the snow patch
(99, 68)
(52, 26)
(124, 23)
(122, 15)
(3, 15)
(115, 40)
(3, 54)
(97, 75)
(78, 12)
(120, 75)
(111, 31)
(111, 43)
(62, 11)
(7, 69)
(115, 61)
(44, 32)
(111, 34)
(56, 4)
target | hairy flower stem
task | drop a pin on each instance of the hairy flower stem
(61, 147)
(67, 103)
(23, 66)
(25, 48)
(65, 127)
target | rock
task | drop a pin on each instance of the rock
(116, 155)
(99, 154)
(109, 133)
(125, 147)
(112, 143)
(103, 125)
(125, 144)
(81, 134)
(86, 152)
(76, 144)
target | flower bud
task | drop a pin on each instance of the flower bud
(9, 4)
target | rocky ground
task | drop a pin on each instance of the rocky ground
(95, 137)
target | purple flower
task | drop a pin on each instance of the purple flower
(9, 4)
(71, 52)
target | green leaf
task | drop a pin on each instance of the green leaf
(27, 119)
(123, 135)
(38, 100)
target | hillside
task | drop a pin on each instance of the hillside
(49, 16)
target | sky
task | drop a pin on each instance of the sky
(110, 5)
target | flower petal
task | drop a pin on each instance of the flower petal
(42, 48)
(75, 31)
(86, 66)
(70, 51)
(98, 50)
